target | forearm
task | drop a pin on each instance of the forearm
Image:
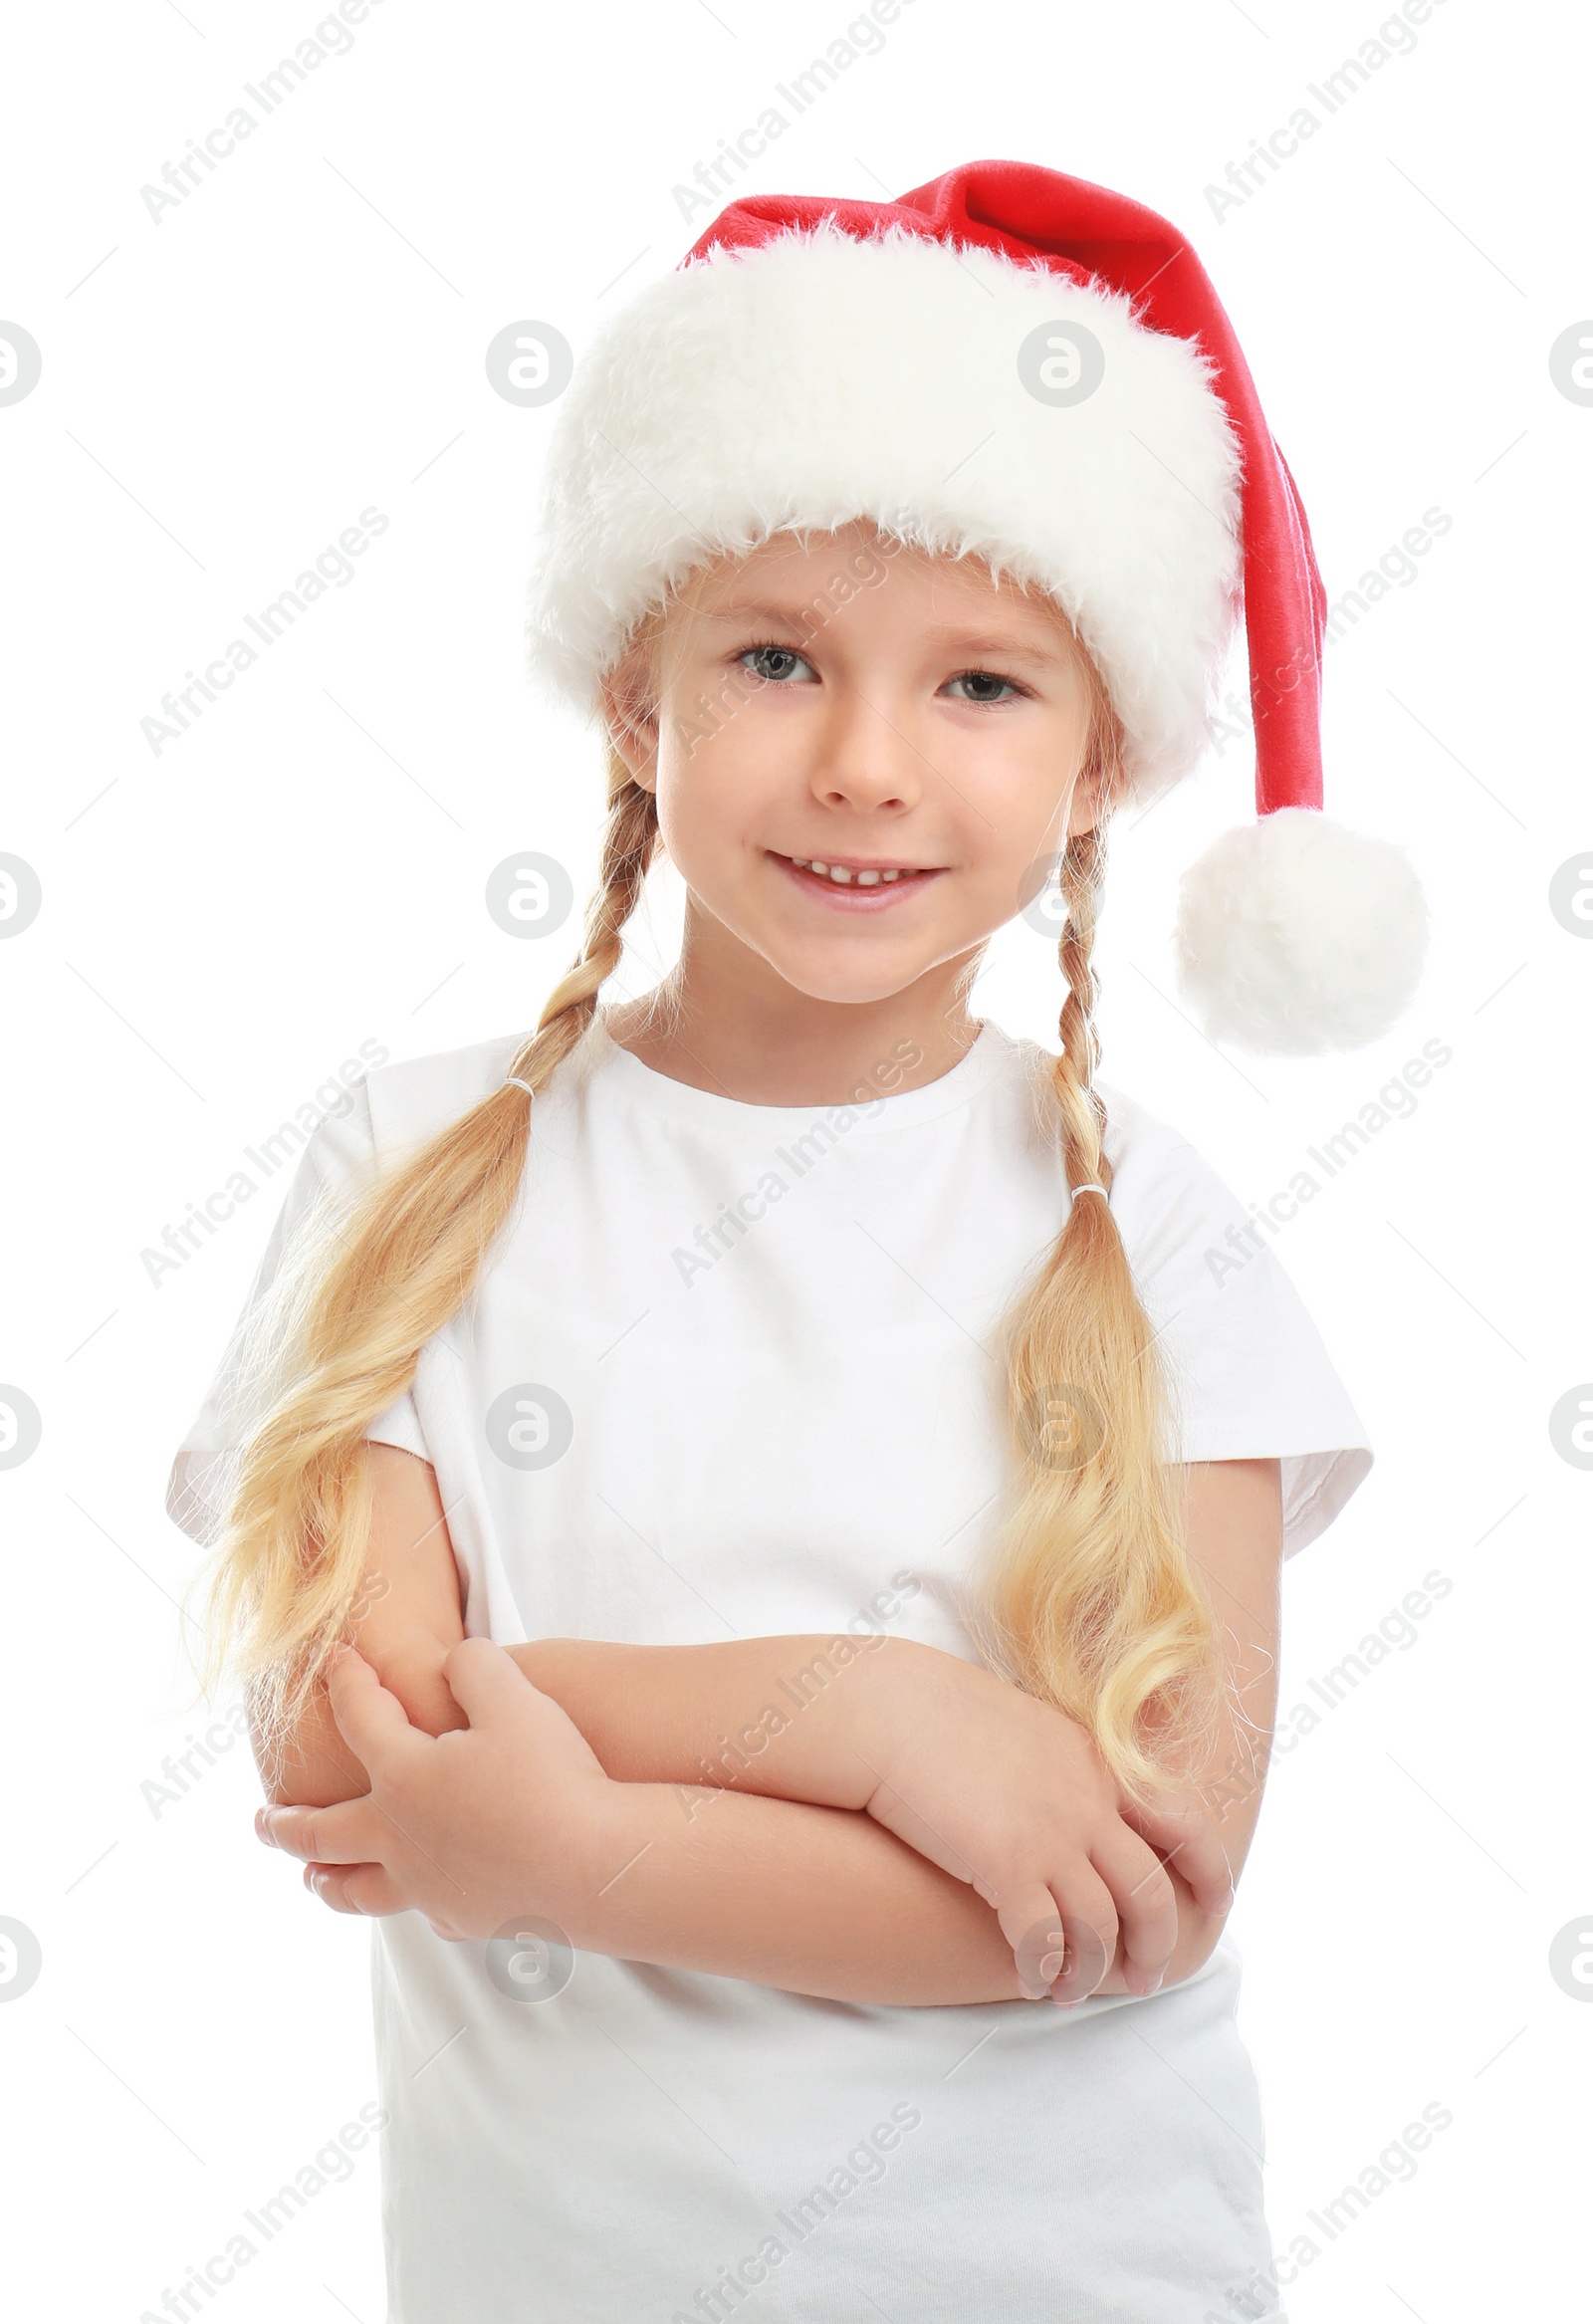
(793, 1887)
(788, 1717)
(795, 1718)
(812, 1900)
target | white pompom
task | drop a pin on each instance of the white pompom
(1295, 935)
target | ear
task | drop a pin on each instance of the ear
(631, 722)
(1095, 796)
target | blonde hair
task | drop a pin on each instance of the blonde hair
(1089, 1600)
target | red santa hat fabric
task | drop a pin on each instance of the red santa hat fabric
(1013, 364)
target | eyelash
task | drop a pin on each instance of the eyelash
(771, 645)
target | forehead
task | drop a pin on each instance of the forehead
(785, 573)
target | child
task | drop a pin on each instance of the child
(806, 1503)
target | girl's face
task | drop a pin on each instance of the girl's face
(878, 712)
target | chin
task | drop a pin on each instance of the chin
(847, 982)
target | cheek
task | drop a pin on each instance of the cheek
(1023, 792)
(710, 792)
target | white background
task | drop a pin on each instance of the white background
(302, 338)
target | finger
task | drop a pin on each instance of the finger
(372, 1722)
(493, 1690)
(1033, 1927)
(355, 1888)
(1091, 1918)
(1147, 1908)
(353, 1831)
(1186, 1835)
(483, 1679)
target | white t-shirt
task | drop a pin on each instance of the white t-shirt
(726, 1376)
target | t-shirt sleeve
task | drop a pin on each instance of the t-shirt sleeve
(336, 1164)
(1250, 1373)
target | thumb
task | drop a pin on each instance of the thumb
(484, 1680)
(372, 1722)
(493, 1691)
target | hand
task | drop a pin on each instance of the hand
(1010, 1796)
(1184, 1827)
(503, 1817)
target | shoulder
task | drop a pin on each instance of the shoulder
(396, 1109)
(1166, 1195)
(1140, 1141)
(411, 1099)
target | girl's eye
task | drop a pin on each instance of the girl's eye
(772, 662)
(983, 686)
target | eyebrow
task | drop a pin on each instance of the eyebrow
(998, 642)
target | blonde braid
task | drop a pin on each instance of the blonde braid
(1080, 877)
(1090, 1599)
(362, 1302)
(630, 841)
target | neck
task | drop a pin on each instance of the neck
(736, 1027)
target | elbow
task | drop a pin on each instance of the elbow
(307, 1764)
(309, 1770)
(312, 1766)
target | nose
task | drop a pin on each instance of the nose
(866, 760)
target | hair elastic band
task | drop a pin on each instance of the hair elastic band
(513, 1081)
(1092, 1188)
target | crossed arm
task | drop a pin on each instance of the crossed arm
(893, 1828)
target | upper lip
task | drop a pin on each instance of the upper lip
(859, 862)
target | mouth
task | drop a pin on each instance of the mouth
(856, 883)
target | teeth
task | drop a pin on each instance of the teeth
(845, 878)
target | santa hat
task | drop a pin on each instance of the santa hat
(1016, 364)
